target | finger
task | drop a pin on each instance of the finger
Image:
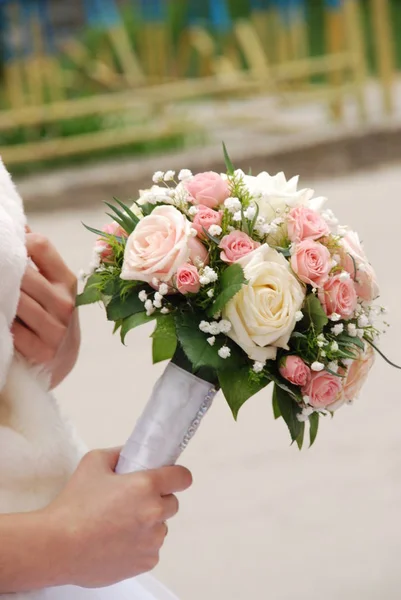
(29, 345)
(109, 458)
(47, 328)
(158, 536)
(54, 299)
(49, 261)
(173, 479)
(170, 506)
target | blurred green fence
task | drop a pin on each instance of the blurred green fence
(88, 76)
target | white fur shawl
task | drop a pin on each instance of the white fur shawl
(37, 451)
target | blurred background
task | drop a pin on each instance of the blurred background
(96, 95)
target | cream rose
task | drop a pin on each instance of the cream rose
(274, 194)
(262, 314)
(158, 246)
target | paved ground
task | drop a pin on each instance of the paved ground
(264, 521)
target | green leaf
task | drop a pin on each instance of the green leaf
(237, 387)
(213, 239)
(314, 314)
(126, 209)
(117, 326)
(96, 231)
(300, 438)
(231, 282)
(276, 408)
(91, 293)
(284, 251)
(119, 308)
(198, 350)
(255, 218)
(314, 427)
(244, 222)
(122, 218)
(164, 339)
(133, 321)
(347, 340)
(299, 335)
(229, 165)
(289, 410)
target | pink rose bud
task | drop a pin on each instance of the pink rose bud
(338, 296)
(355, 261)
(205, 218)
(358, 373)
(235, 245)
(294, 370)
(323, 389)
(209, 189)
(187, 280)
(102, 245)
(304, 223)
(311, 261)
(197, 252)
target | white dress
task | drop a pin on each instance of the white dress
(39, 450)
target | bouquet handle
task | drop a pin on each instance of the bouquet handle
(177, 405)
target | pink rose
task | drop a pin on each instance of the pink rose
(304, 223)
(339, 297)
(102, 245)
(323, 389)
(358, 373)
(235, 245)
(355, 262)
(187, 281)
(209, 189)
(204, 218)
(311, 261)
(160, 244)
(197, 252)
(295, 371)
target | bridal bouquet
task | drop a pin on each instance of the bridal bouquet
(250, 282)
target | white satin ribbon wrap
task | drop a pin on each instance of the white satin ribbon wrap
(171, 418)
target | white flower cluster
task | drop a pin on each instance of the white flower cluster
(215, 327)
(233, 205)
(157, 303)
(306, 413)
(161, 176)
(207, 276)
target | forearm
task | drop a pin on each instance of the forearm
(31, 553)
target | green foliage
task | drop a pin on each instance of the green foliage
(123, 216)
(238, 387)
(314, 315)
(197, 349)
(134, 321)
(164, 339)
(289, 410)
(121, 308)
(231, 281)
(314, 427)
(91, 293)
(229, 165)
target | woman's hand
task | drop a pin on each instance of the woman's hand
(46, 331)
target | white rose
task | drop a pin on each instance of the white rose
(274, 194)
(263, 314)
(159, 245)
